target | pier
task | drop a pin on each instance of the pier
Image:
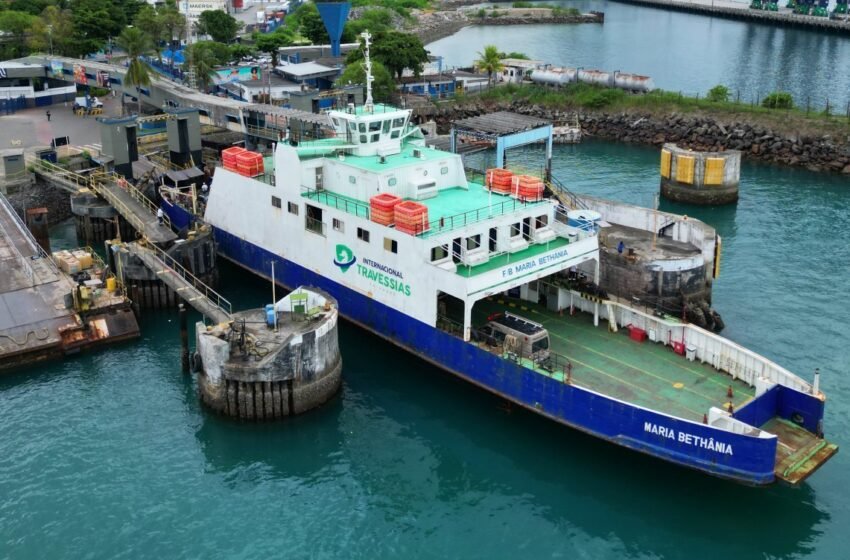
(737, 10)
(44, 312)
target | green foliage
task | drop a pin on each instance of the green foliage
(778, 100)
(489, 61)
(382, 86)
(151, 24)
(238, 51)
(522, 4)
(202, 59)
(17, 25)
(310, 24)
(220, 52)
(514, 55)
(32, 7)
(271, 42)
(220, 26)
(376, 20)
(718, 94)
(481, 13)
(396, 51)
(53, 30)
(401, 7)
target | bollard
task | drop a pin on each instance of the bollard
(184, 338)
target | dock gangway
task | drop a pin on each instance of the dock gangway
(204, 299)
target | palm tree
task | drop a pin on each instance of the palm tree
(136, 44)
(203, 62)
(490, 61)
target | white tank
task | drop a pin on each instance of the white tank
(633, 82)
(597, 77)
(554, 76)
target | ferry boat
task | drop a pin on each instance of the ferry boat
(652, 384)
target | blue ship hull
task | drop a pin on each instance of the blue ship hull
(742, 458)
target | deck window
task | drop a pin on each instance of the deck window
(291, 206)
(362, 127)
(395, 134)
(473, 242)
(376, 137)
(276, 202)
(398, 123)
(541, 221)
(352, 126)
(363, 139)
(338, 225)
(516, 229)
(390, 245)
(363, 234)
(386, 127)
(374, 126)
(440, 252)
(313, 220)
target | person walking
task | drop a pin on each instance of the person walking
(48, 115)
(160, 216)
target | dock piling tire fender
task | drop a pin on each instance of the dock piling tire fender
(195, 362)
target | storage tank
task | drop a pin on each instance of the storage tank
(597, 77)
(554, 76)
(587, 220)
(633, 82)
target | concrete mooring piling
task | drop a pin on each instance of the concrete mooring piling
(707, 178)
(252, 371)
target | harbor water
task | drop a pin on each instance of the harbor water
(682, 52)
(110, 455)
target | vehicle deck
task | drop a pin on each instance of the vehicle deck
(799, 452)
(645, 374)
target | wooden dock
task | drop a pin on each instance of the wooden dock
(736, 10)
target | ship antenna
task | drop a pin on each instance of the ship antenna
(369, 105)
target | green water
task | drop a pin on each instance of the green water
(110, 455)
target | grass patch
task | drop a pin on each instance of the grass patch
(659, 102)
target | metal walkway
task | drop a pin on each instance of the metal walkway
(133, 206)
(207, 301)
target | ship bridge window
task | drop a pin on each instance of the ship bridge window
(374, 126)
(336, 122)
(232, 119)
(390, 245)
(363, 139)
(376, 137)
(398, 123)
(386, 127)
(363, 234)
(352, 126)
(440, 252)
(362, 127)
(395, 134)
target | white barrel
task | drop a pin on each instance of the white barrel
(554, 76)
(633, 82)
(597, 77)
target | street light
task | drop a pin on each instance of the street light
(50, 37)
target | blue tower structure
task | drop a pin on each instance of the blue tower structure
(334, 15)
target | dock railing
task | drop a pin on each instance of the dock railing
(217, 299)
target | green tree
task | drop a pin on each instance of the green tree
(95, 21)
(219, 51)
(375, 20)
(382, 86)
(311, 26)
(239, 51)
(151, 24)
(489, 61)
(17, 25)
(202, 60)
(718, 94)
(136, 44)
(218, 25)
(53, 31)
(271, 42)
(173, 24)
(396, 51)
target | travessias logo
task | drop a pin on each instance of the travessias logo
(344, 258)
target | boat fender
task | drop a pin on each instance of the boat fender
(195, 362)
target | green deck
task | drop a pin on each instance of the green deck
(507, 258)
(646, 374)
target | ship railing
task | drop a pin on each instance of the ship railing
(315, 225)
(458, 221)
(102, 177)
(338, 202)
(554, 364)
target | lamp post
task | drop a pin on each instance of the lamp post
(50, 37)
